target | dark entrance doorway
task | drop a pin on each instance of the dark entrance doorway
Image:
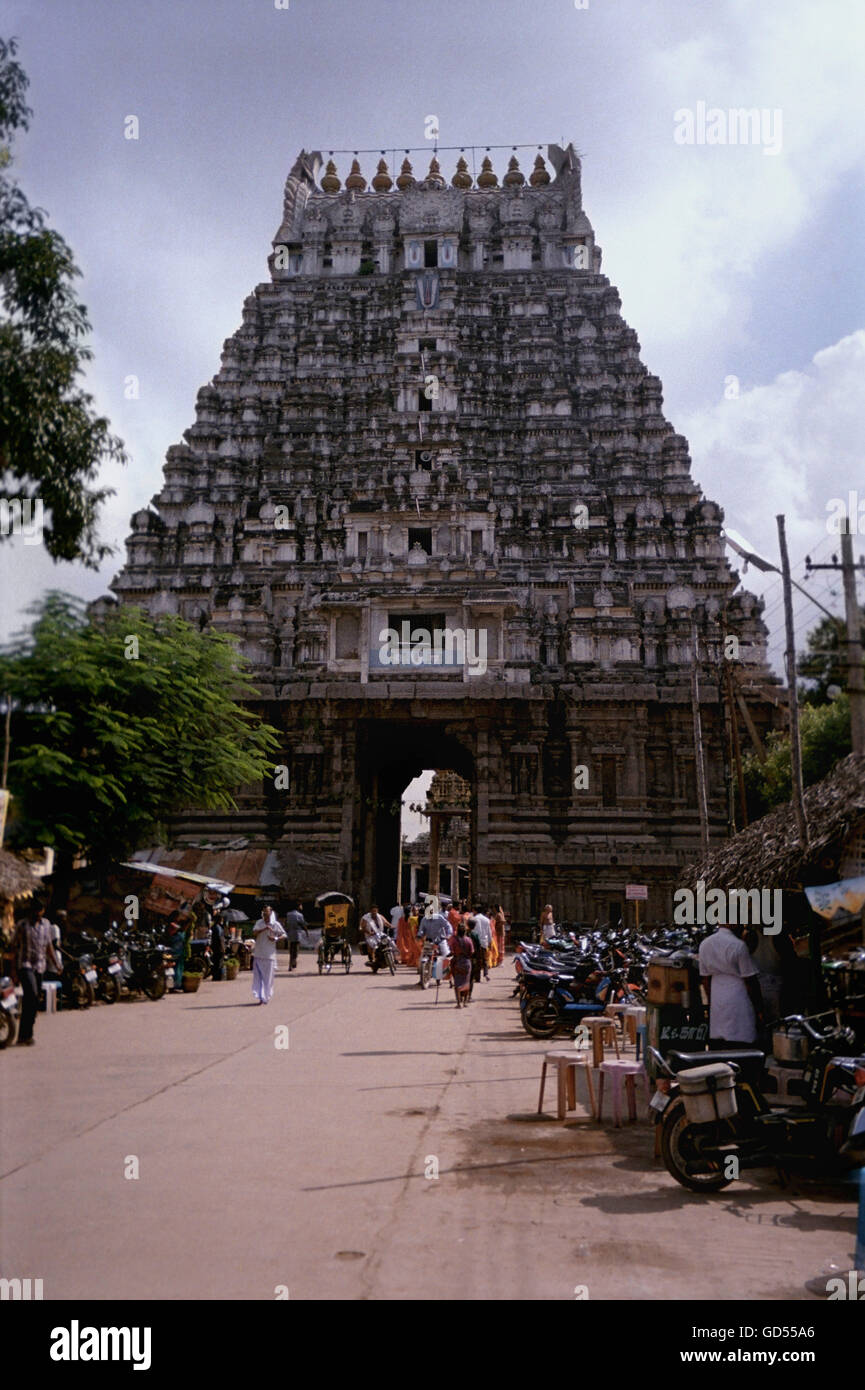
(390, 755)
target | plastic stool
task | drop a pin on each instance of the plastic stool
(566, 1064)
(633, 1017)
(617, 1011)
(623, 1074)
(51, 988)
(601, 1028)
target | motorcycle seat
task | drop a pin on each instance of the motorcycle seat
(749, 1060)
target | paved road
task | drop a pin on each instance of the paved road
(263, 1166)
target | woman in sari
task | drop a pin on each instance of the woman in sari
(462, 951)
(493, 957)
(406, 939)
(498, 922)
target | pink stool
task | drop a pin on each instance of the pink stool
(622, 1073)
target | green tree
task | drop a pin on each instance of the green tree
(52, 444)
(121, 722)
(825, 661)
(825, 737)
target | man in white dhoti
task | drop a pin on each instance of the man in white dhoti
(267, 931)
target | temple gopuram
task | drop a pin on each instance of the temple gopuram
(433, 493)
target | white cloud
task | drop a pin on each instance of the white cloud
(698, 220)
(787, 447)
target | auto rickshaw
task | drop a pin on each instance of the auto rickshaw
(334, 942)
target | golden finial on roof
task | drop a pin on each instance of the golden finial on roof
(405, 177)
(331, 183)
(486, 178)
(355, 180)
(462, 178)
(514, 177)
(382, 181)
(540, 173)
(435, 174)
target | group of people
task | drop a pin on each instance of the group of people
(194, 930)
(473, 941)
(409, 926)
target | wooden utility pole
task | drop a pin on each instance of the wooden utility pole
(7, 738)
(855, 669)
(434, 831)
(699, 765)
(737, 750)
(751, 727)
(795, 744)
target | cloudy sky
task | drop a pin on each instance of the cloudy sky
(739, 266)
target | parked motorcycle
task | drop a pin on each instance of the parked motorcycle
(79, 978)
(563, 1002)
(147, 965)
(109, 970)
(10, 1011)
(714, 1110)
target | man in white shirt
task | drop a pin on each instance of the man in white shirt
(435, 927)
(267, 931)
(373, 927)
(396, 916)
(484, 931)
(729, 976)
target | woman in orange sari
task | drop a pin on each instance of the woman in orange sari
(498, 925)
(493, 948)
(406, 940)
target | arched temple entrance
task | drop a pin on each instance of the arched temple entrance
(389, 755)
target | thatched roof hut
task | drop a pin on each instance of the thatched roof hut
(16, 881)
(16, 878)
(767, 854)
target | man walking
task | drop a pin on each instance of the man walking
(295, 923)
(483, 930)
(34, 949)
(729, 976)
(217, 940)
(267, 931)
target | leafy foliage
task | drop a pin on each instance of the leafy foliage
(825, 661)
(106, 745)
(825, 737)
(52, 444)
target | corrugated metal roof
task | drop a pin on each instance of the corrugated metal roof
(240, 867)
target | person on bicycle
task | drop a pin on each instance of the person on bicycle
(435, 927)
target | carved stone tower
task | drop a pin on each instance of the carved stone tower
(432, 491)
